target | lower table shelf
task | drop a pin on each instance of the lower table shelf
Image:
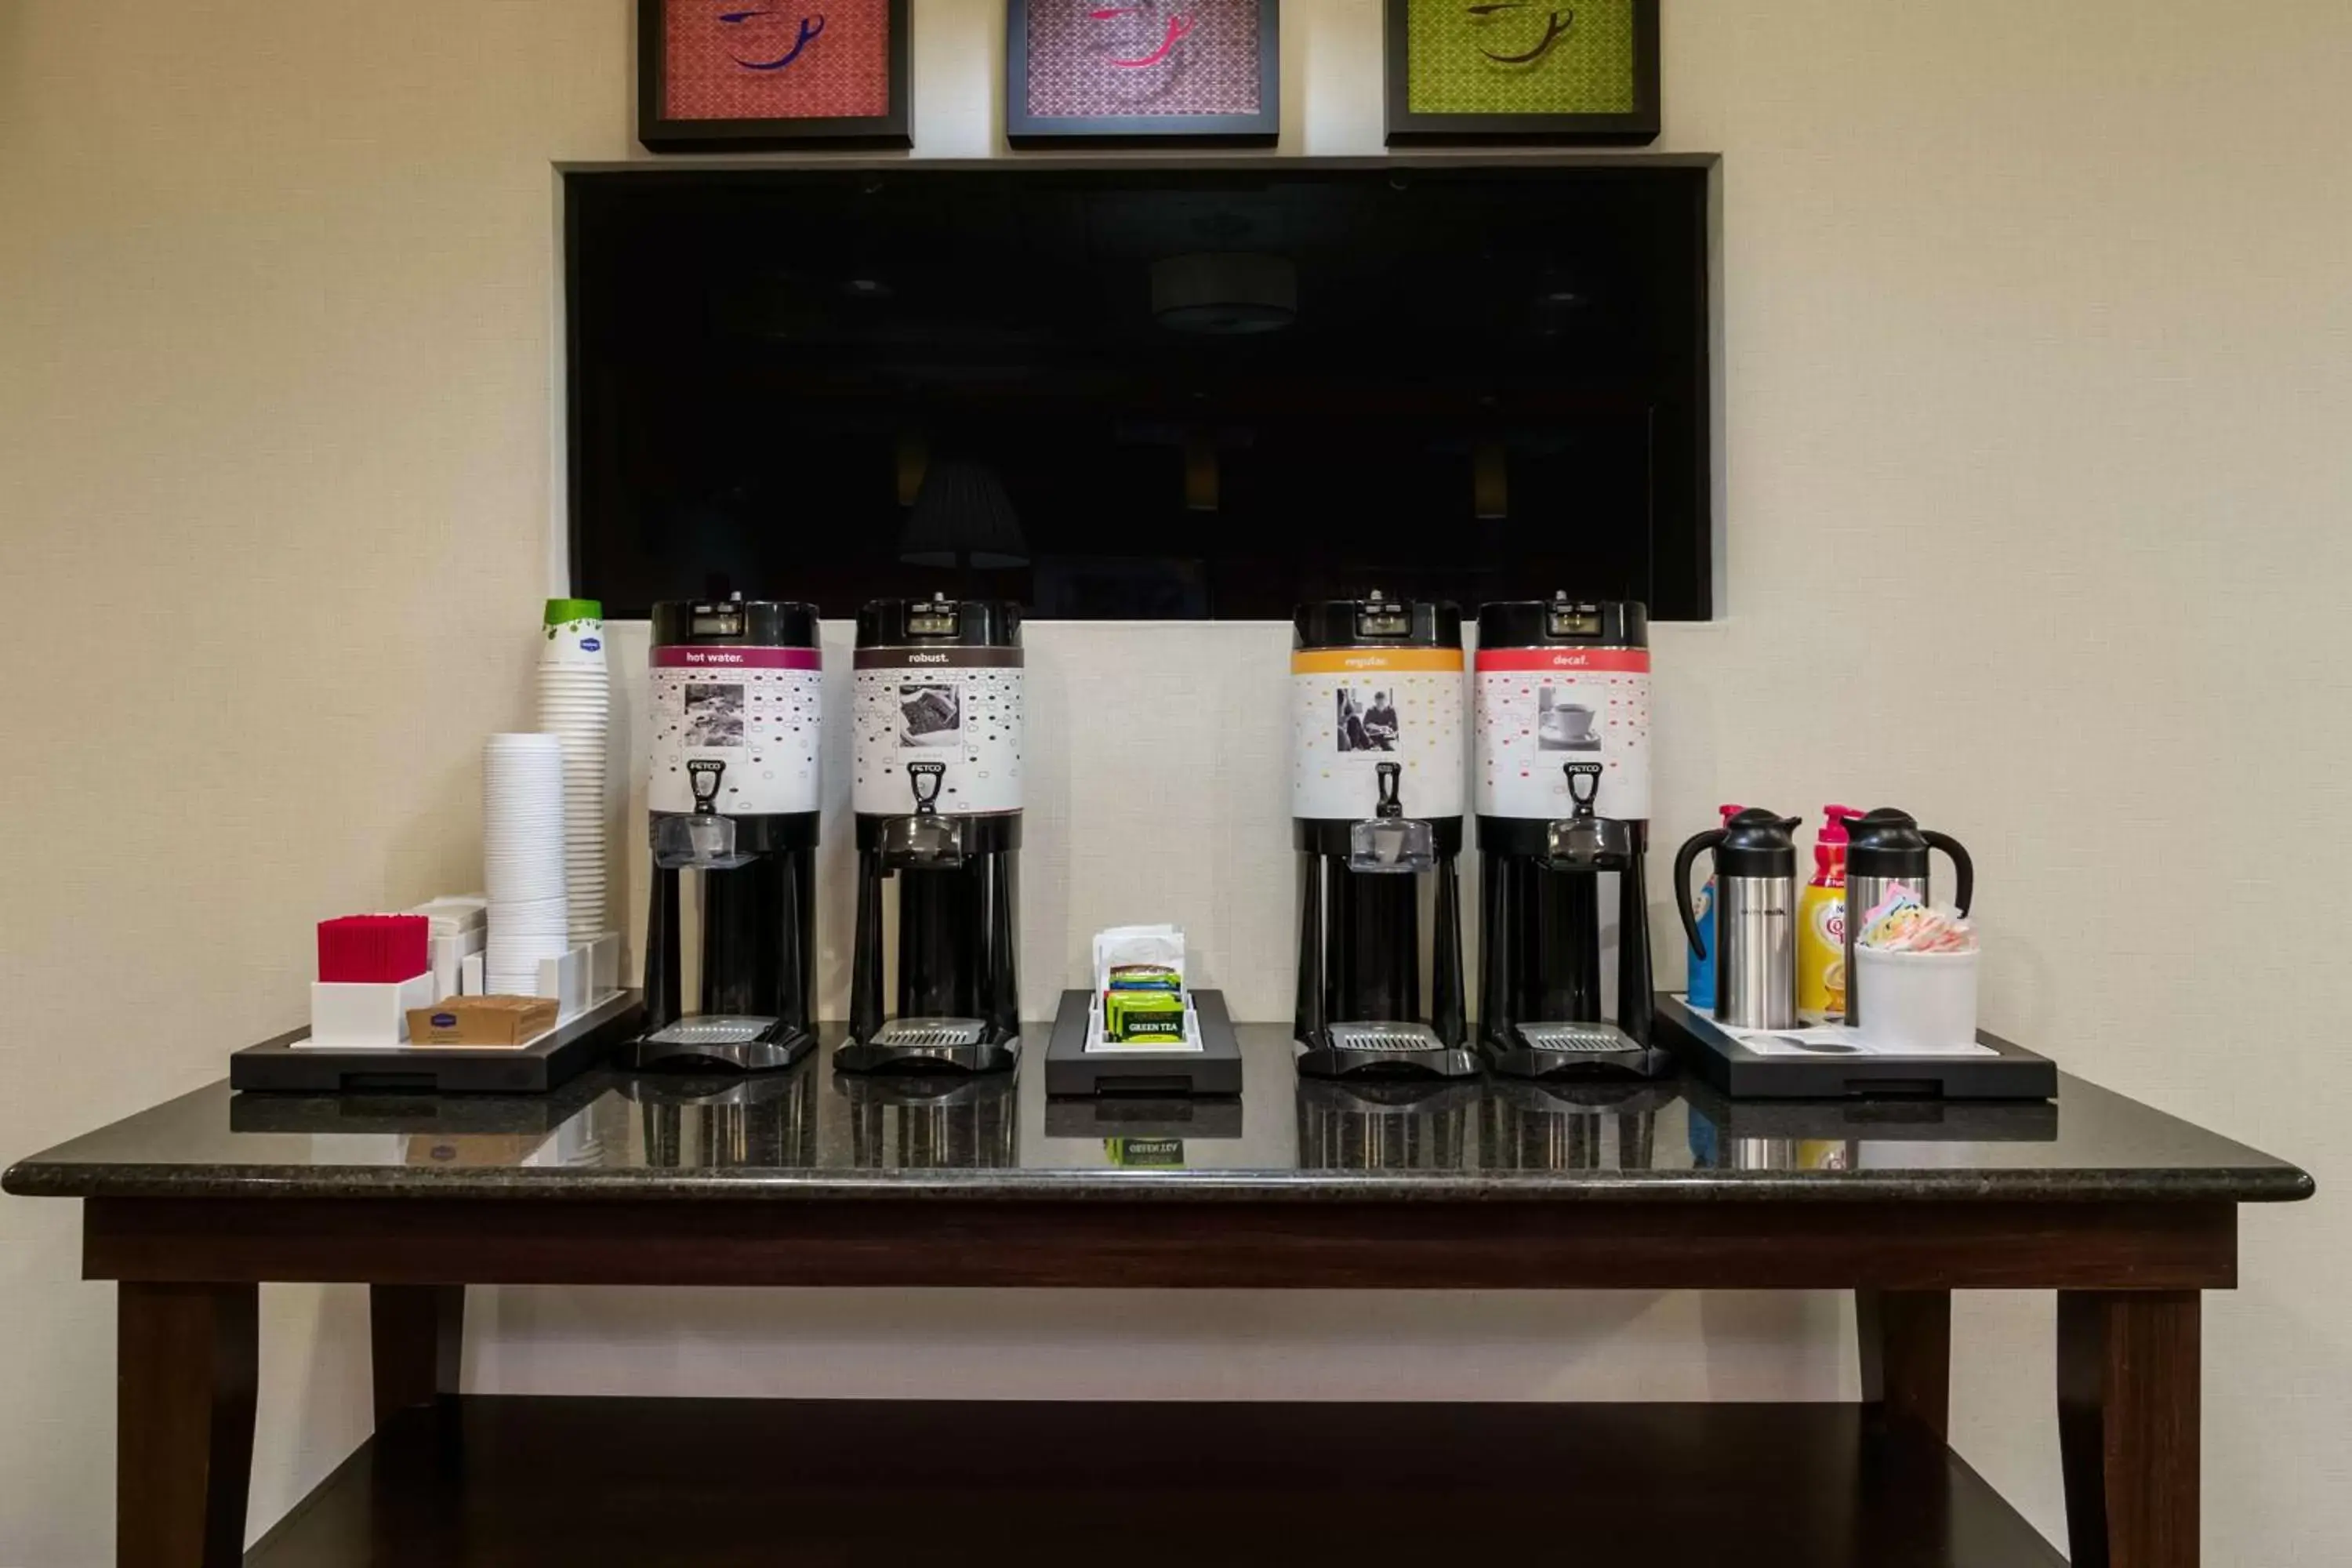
(525, 1482)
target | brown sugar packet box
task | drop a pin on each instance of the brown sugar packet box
(481, 1021)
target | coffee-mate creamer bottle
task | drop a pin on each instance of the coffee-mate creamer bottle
(1821, 922)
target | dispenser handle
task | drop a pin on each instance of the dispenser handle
(1587, 775)
(703, 776)
(1688, 853)
(1391, 777)
(922, 774)
(1966, 892)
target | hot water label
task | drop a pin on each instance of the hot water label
(1540, 709)
(1353, 709)
(756, 711)
(959, 707)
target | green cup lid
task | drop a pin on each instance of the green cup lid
(561, 610)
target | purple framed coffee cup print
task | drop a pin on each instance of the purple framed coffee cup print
(1114, 72)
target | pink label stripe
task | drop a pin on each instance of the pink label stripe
(737, 659)
(1635, 659)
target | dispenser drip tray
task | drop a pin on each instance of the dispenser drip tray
(1390, 1038)
(1574, 1051)
(711, 1031)
(929, 1034)
(930, 1045)
(723, 1040)
(1577, 1039)
(1382, 1049)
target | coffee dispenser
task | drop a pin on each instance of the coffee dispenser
(936, 787)
(1755, 917)
(1886, 848)
(732, 798)
(1562, 780)
(1376, 805)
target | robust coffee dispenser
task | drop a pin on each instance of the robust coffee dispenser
(732, 798)
(1884, 847)
(1561, 774)
(1376, 803)
(937, 790)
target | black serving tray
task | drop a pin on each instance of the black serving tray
(1732, 1070)
(1881, 1120)
(276, 1067)
(1214, 1070)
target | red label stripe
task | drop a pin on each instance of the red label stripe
(1621, 660)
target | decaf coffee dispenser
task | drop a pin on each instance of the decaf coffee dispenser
(1376, 795)
(936, 787)
(1562, 775)
(731, 797)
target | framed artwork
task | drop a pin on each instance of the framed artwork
(1123, 72)
(751, 75)
(1554, 72)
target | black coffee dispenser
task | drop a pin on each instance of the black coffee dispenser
(937, 788)
(1561, 774)
(1376, 805)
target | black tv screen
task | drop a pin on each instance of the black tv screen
(1121, 391)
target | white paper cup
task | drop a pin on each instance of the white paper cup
(1917, 1000)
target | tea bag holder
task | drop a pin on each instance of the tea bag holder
(1213, 1068)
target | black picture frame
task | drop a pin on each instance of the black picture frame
(658, 132)
(1024, 130)
(1407, 129)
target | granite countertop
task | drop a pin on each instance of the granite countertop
(809, 1133)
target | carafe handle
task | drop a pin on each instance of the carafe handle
(1683, 859)
(1966, 868)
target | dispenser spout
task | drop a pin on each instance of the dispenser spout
(1389, 840)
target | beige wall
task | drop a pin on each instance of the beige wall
(2038, 340)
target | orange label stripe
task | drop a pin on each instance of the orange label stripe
(1347, 660)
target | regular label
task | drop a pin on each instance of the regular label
(1355, 709)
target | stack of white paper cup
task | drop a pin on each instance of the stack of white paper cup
(522, 860)
(575, 706)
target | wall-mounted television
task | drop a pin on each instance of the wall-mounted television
(1125, 391)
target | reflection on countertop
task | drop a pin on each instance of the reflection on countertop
(810, 1131)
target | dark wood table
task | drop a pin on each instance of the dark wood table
(804, 1179)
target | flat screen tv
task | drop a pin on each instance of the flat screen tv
(1119, 391)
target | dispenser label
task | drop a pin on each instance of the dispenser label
(759, 720)
(721, 658)
(1354, 709)
(1539, 710)
(961, 708)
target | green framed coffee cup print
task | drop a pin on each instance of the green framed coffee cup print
(1544, 72)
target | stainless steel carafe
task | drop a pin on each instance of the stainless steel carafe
(1755, 917)
(1884, 847)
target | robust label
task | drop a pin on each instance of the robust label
(958, 707)
(1541, 709)
(1354, 709)
(753, 712)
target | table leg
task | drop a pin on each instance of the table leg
(1905, 1340)
(416, 1333)
(2128, 1414)
(184, 1369)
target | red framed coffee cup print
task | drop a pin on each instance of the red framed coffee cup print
(747, 76)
